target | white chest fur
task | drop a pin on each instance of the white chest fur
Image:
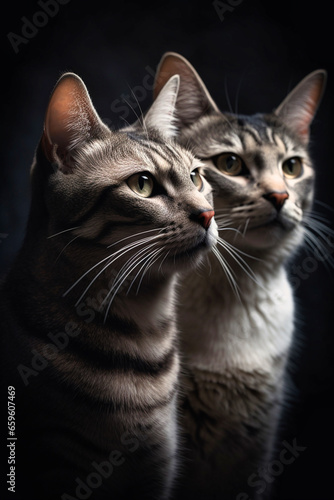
(221, 331)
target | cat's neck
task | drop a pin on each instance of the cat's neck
(58, 283)
(245, 327)
(140, 325)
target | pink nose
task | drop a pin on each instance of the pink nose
(205, 218)
(277, 198)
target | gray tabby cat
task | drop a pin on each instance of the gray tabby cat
(89, 336)
(237, 316)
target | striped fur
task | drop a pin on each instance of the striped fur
(89, 305)
(237, 340)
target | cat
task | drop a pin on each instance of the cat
(89, 341)
(236, 317)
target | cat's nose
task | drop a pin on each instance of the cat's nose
(277, 198)
(204, 217)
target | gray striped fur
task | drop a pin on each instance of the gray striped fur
(88, 309)
(236, 341)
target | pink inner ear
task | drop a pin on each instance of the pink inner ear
(63, 108)
(299, 107)
(303, 129)
(56, 121)
(69, 118)
(56, 130)
(310, 107)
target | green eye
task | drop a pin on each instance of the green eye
(292, 168)
(229, 164)
(141, 184)
(196, 177)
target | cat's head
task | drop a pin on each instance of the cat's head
(119, 198)
(259, 165)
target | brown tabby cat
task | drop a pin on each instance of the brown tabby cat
(89, 337)
(236, 340)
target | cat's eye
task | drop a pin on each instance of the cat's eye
(142, 184)
(229, 164)
(292, 168)
(196, 177)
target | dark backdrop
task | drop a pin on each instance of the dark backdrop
(249, 57)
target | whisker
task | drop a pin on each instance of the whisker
(128, 124)
(228, 272)
(209, 264)
(105, 267)
(238, 231)
(227, 96)
(152, 259)
(66, 247)
(317, 216)
(236, 104)
(241, 262)
(318, 226)
(62, 232)
(114, 290)
(123, 271)
(131, 107)
(226, 210)
(147, 255)
(163, 260)
(232, 229)
(136, 234)
(325, 205)
(119, 254)
(241, 252)
(246, 226)
(141, 118)
(316, 245)
(222, 219)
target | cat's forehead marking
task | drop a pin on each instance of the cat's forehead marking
(270, 135)
(169, 164)
(163, 154)
(229, 142)
(266, 140)
(273, 138)
(251, 137)
(134, 154)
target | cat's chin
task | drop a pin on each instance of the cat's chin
(265, 236)
(191, 257)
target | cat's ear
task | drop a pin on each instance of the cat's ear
(70, 121)
(193, 100)
(161, 115)
(299, 107)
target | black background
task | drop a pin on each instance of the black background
(249, 61)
